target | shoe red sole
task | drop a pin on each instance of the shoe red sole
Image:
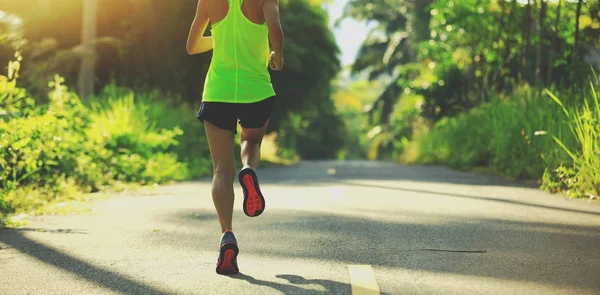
(254, 201)
(227, 263)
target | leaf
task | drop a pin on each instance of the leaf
(557, 101)
(21, 143)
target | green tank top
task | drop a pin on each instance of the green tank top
(238, 72)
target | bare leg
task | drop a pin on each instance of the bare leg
(220, 142)
(251, 140)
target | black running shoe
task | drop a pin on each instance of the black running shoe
(228, 252)
(254, 202)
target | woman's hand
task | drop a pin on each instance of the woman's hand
(275, 61)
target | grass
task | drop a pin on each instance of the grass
(584, 124)
(548, 136)
(270, 154)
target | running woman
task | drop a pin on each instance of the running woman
(237, 88)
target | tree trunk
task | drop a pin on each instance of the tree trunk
(526, 39)
(420, 20)
(555, 48)
(88, 60)
(540, 49)
(498, 80)
(513, 15)
(389, 98)
(576, 43)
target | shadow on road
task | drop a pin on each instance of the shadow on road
(521, 251)
(107, 279)
(468, 197)
(330, 287)
(54, 231)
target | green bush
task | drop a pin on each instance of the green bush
(530, 134)
(172, 114)
(38, 148)
(121, 125)
(53, 153)
(501, 135)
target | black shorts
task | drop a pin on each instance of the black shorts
(226, 115)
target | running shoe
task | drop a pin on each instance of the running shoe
(254, 202)
(228, 252)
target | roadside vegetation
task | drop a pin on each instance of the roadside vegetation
(120, 109)
(505, 87)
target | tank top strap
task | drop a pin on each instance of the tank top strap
(235, 3)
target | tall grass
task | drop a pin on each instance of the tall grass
(530, 134)
(584, 151)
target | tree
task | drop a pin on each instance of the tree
(541, 35)
(555, 49)
(88, 34)
(304, 87)
(525, 46)
(576, 43)
(391, 44)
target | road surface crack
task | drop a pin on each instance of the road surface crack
(451, 251)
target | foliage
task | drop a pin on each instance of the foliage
(141, 45)
(304, 104)
(52, 153)
(168, 114)
(389, 52)
(459, 63)
(351, 100)
(529, 135)
(584, 152)
(463, 86)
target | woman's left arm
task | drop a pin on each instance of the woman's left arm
(196, 42)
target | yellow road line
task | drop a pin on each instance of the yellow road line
(362, 280)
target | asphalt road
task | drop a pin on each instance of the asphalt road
(421, 230)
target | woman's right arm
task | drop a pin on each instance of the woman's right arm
(196, 42)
